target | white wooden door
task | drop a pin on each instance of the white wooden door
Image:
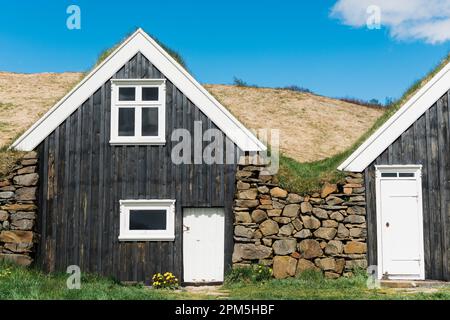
(203, 244)
(400, 224)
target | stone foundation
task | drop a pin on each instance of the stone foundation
(322, 231)
(18, 209)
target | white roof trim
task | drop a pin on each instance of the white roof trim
(415, 107)
(140, 41)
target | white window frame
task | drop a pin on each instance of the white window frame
(147, 235)
(137, 105)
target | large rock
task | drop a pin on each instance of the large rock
(291, 210)
(242, 185)
(294, 198)
(242, 217)
(357, 199)
(303, 234)
(310, 249)
(306, 207)
(19, 207)
(325, 233)
(328, 189)
(351, 180)
(28, 162)
(286, 230)
(297, 223)
(23, 215)
(277, 205)
(29, 179)
(330, 224)
(355, 247)
(16, 236)
(334, 201)
(269, 227)
(310, 222)
(247, 203)
(6, 195)
(243, 232)
(259, 216)
(274, 212)
(284, 267)
(22, 224)
(337, 216)
(3, 215)
(4, 183)
(357, 210)
(353, 264)
(30, 155)
(249, 251)
(243, 174)
(355, 219)
(358, 233)
(340, 265)
(343, 232)
(20, 259)
(326, 264)
(334, 247)
(320, 213)
(30, 169)
(263, 189)
(304, 265)
(19, 247)
(282, 220)
(257, 234)
(278, 193)
(284, 247)
(26, 194)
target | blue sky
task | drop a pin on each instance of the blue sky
(263, 42)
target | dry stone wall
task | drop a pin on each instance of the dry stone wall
(18, 209)
(323, 231)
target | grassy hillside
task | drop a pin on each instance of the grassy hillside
(313, 129)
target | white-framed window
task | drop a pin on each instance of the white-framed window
(138, 111)
(147, 220)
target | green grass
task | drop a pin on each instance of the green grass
(313, 286)
(17, 283)
(29, 284)
(308, 177)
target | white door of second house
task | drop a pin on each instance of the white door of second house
(400, 222)
(203, 244)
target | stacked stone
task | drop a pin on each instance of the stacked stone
(18, 211)
(322, 231)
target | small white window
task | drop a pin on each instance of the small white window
(138, 111)
(147, 220)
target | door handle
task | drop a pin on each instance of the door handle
(186, 228)
(387, 224)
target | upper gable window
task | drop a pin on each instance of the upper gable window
(138, 111)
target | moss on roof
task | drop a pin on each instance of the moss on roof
(174, 54)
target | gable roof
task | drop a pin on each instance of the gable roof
(400, 121)
(140, 41)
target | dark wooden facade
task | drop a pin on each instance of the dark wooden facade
(426, 142)
(83, 178)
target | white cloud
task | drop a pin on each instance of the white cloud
(427, 20)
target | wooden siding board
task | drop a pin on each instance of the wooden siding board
(444, 159)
